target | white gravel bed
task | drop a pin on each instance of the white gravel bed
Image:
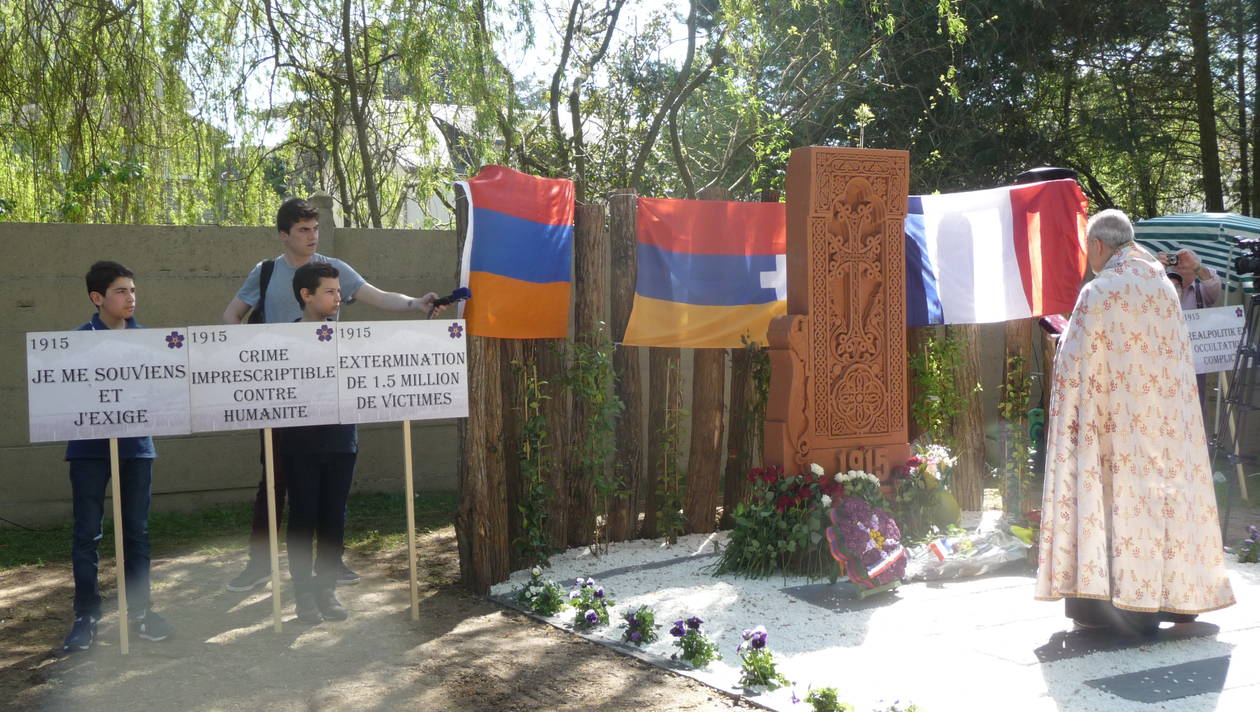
(967, 644)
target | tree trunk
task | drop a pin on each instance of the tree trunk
(481, 521)
(969, 424)
(1204, 98)
(662, 363)
(704, 458)
(1240, 59)
(1019, 335)
(590, 247)
(358, 113)
(623, 208)
(1255, 112)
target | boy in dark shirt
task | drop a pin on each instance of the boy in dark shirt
(319, 460)
(112, 289)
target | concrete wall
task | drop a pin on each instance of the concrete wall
(186, 276)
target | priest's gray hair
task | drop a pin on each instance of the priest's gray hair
(1111, 226)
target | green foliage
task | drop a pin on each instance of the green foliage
(592, 381)
(671, 481)
(940, 399)
(540, 595)
(921, 498)
(1018, 449)
(534, 462)
(827, 699)
(780, 527)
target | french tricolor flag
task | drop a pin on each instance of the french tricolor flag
(994, 255)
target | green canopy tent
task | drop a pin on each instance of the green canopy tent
(1209, 235)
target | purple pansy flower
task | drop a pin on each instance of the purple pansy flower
(694, 622)
(636, 636)
(455, 330)
(592, 617)
(174, 340)
(678, 630)
(599, 592)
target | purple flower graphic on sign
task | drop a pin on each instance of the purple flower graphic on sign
(455, 330)
(174, 340)
(324, 333)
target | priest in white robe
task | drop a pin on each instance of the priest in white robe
(1129, 528)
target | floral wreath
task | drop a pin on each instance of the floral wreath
(867, 542)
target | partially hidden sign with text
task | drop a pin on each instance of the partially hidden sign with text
(134, 382)
(85, 385)
(1214, 336)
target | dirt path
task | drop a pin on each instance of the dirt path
(464, 653)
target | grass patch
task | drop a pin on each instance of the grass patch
(376, 521)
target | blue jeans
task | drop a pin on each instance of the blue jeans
(89, 480)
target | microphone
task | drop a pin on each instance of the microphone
(458, 295)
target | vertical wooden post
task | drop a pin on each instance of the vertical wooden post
(513, 393)
(553, 366)
(969, 425)
(1018, 342)
(273, 539)
(704, 459)
(410, 489)
(590, 251)
(124, 640)
(663, 364)
(743, 436)
(481, 526)
(623, 210)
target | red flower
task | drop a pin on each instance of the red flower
(914, 461)
(782, 503)
(1034, 516)
(754, 474)
(771, 474)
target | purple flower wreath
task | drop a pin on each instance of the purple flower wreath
(867, 541)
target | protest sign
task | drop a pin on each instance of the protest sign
(401, 370)
(106, 383)
(1214, 337)
(262, 375)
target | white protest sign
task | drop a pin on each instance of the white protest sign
(1214, 337)
(402, 370)
(262, 375)
(109, 383)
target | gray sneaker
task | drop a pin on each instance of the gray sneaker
(151, 626)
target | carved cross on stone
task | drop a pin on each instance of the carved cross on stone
(838, 359)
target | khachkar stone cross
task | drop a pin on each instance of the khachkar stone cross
(838, 358)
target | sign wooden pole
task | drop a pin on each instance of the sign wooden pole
(273, 539)
(119, 561)
(411, 522)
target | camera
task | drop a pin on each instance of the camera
(1249, 261)
(1170, 259)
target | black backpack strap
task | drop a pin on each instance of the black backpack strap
(258, 315)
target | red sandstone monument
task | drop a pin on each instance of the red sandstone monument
(838, 357)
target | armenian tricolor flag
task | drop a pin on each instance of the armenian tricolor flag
(518, 255)
(709, 273)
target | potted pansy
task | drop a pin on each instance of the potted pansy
(539, 595)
